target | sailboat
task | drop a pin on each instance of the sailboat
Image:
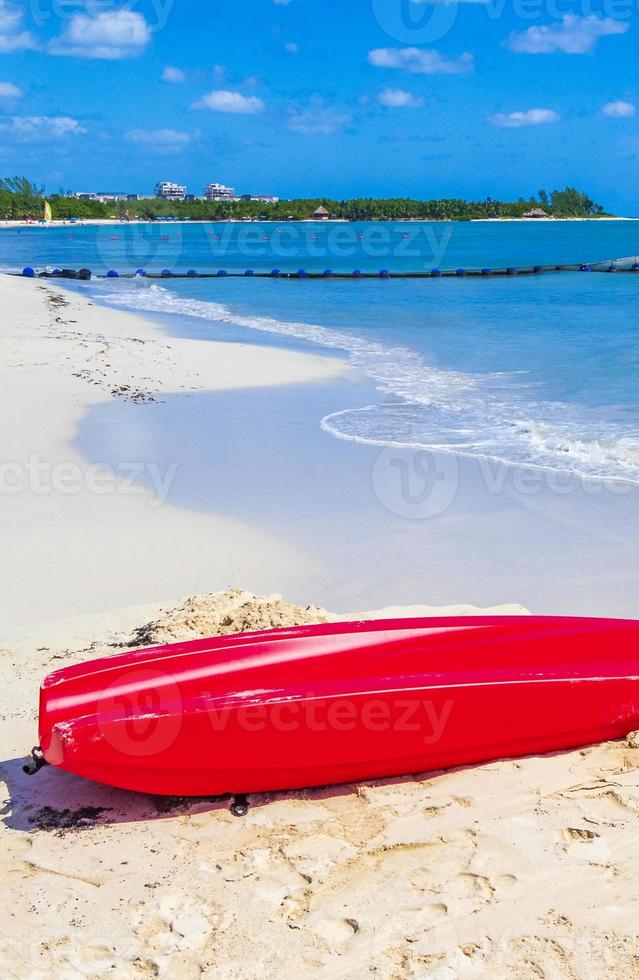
(47, 211)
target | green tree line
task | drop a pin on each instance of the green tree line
(20, 199)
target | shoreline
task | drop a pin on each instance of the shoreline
(81, 222)
(489, 531)
(80, 526)
(104, 533)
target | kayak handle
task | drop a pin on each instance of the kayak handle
(239, 805)
(38, 761)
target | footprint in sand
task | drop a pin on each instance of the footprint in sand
(579, 834)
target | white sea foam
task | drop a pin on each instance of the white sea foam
(493, 416)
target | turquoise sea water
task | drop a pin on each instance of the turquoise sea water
(340, 246)
(541, 371)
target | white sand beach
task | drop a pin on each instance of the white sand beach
(76, 527)
(524, 868)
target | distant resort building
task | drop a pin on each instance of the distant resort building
(536, 213)
(219, 192)
(321, 214)
(104, 196)
(169, 191)
(263, 198)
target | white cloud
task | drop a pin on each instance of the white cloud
(619, 109)
(573, 35)
(159, 140)
(292, 47)
(158, 136)
(173, 75)
(222, 100)
(420, 62)
(10, 17)
(40, 129)
(17, 42)
(317, 121)
(529, 117)
(396, 98)
(110, 35)
(10, 91)
(11, 37)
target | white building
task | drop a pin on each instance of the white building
(169, 191)
(264, 198)
(101, 196)
(219, 192)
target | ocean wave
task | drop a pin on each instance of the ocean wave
(541, 445)
(492, 416)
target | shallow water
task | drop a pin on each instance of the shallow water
(378, 526)
(539, 371)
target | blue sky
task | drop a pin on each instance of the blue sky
(313, 97)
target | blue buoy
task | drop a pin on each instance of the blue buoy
(275, 273)
(435, 273)
(460, 272)
(222, 272)
(112, 274)
(140, 272)
(166, 274)
(192, 274)
(486, 272)
(328, 273)
(249, 272)
(301, 273)
(56, 272)
(357, 274)
(384, 273)
(28, 272)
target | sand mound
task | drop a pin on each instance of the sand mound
(221, 613)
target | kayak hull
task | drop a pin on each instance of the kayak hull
(317, 705)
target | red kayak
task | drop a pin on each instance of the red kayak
(314, 705)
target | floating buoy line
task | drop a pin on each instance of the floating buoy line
(610, 266)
